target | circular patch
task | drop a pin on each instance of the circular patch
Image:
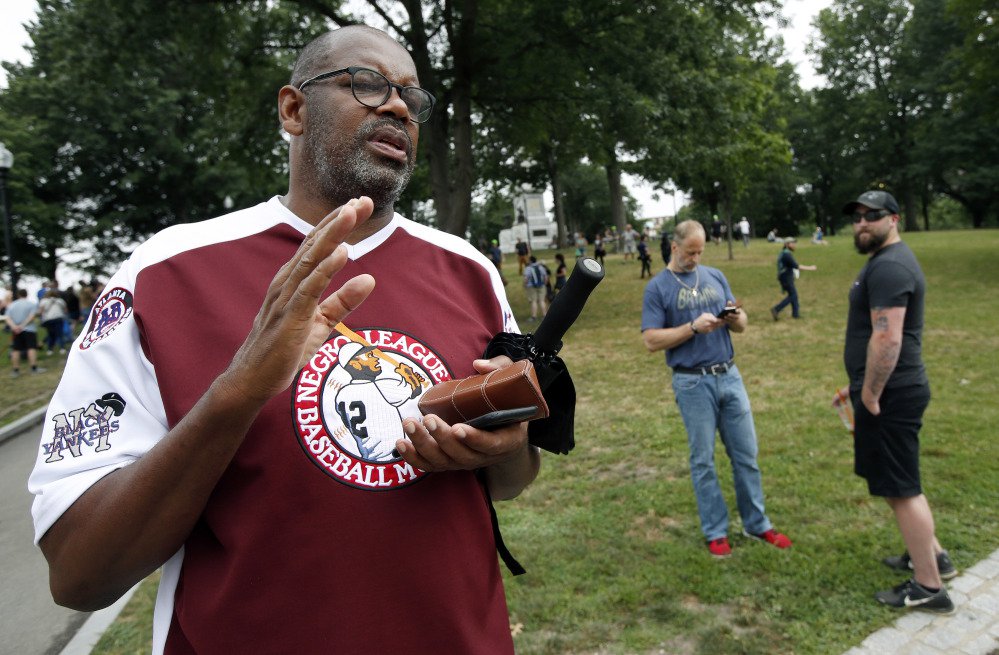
(111, 310)
(350, 400)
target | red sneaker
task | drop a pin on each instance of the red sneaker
(719, 548)
(772, 537)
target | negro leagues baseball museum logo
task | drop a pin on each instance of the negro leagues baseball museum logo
(350, 400)
(90, 426)
(113, 309)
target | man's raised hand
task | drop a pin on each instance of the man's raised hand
(293, 321)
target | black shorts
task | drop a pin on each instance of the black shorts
(886, 447)
(24, 342)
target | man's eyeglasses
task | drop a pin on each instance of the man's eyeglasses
(372, 89)
(870, 216)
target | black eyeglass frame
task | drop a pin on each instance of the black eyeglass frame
(388, 90)
(858, 216)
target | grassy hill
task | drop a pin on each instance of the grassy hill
(609, 534)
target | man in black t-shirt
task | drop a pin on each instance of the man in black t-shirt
(890, 392)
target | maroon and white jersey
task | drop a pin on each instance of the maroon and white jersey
(315, 540)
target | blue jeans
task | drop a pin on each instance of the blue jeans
(719, 402)
(791, 299)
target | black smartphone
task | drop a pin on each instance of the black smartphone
(726, 311)
(502, 417)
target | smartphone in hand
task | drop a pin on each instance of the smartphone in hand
(730, 309)
(502, 417)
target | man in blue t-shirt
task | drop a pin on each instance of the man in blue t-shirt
(682, 313)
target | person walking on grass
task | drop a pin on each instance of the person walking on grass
(643, 256)
(689, 311)
(523, 250)
(629, 240)
(496, 257)
(890, 391)
(560, 272)
(536, 284)
(53, 312)
(20, 318)
(787, 272)
(744, 231)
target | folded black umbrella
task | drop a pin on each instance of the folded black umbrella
(554, 433)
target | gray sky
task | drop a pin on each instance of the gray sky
(13, 38)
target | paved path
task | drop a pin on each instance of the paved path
(972, 630)
(30, 623)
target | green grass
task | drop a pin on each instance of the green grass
(132, 631)
(28, 392)
(609, 534)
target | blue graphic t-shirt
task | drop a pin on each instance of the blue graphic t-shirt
(668, 303)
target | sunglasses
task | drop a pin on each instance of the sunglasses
(870, 216)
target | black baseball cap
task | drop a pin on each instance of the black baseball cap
(874, 200)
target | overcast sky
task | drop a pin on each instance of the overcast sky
(13, 38)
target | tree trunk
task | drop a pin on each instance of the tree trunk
(451, 176)
(463, 168)
(909, 208)
(727, 209)
(435, 136)
(553, 176)
(977, 216)
(614, 186)
(53, 262)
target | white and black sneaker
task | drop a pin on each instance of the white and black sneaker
(904, 563)
(914, 595)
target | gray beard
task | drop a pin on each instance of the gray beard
(342, 170)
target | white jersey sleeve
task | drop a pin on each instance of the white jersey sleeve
(106, 412)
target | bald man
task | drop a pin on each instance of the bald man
(231, 458)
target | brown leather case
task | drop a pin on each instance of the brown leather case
(458, 401)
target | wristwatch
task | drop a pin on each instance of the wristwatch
(693, 328)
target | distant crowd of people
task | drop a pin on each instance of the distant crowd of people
(541, 284)
(60, 312)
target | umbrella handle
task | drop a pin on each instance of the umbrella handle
(568, 304)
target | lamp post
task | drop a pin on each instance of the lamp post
(6, 162)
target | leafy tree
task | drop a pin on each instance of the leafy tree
(528, 98)
(960, 147)
(490, 215)
(978, 53)
(154, 122)
(736, 140)
(588, 199)
(900, 111)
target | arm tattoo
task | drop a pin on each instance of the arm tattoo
(882, 351)
(880, 364)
